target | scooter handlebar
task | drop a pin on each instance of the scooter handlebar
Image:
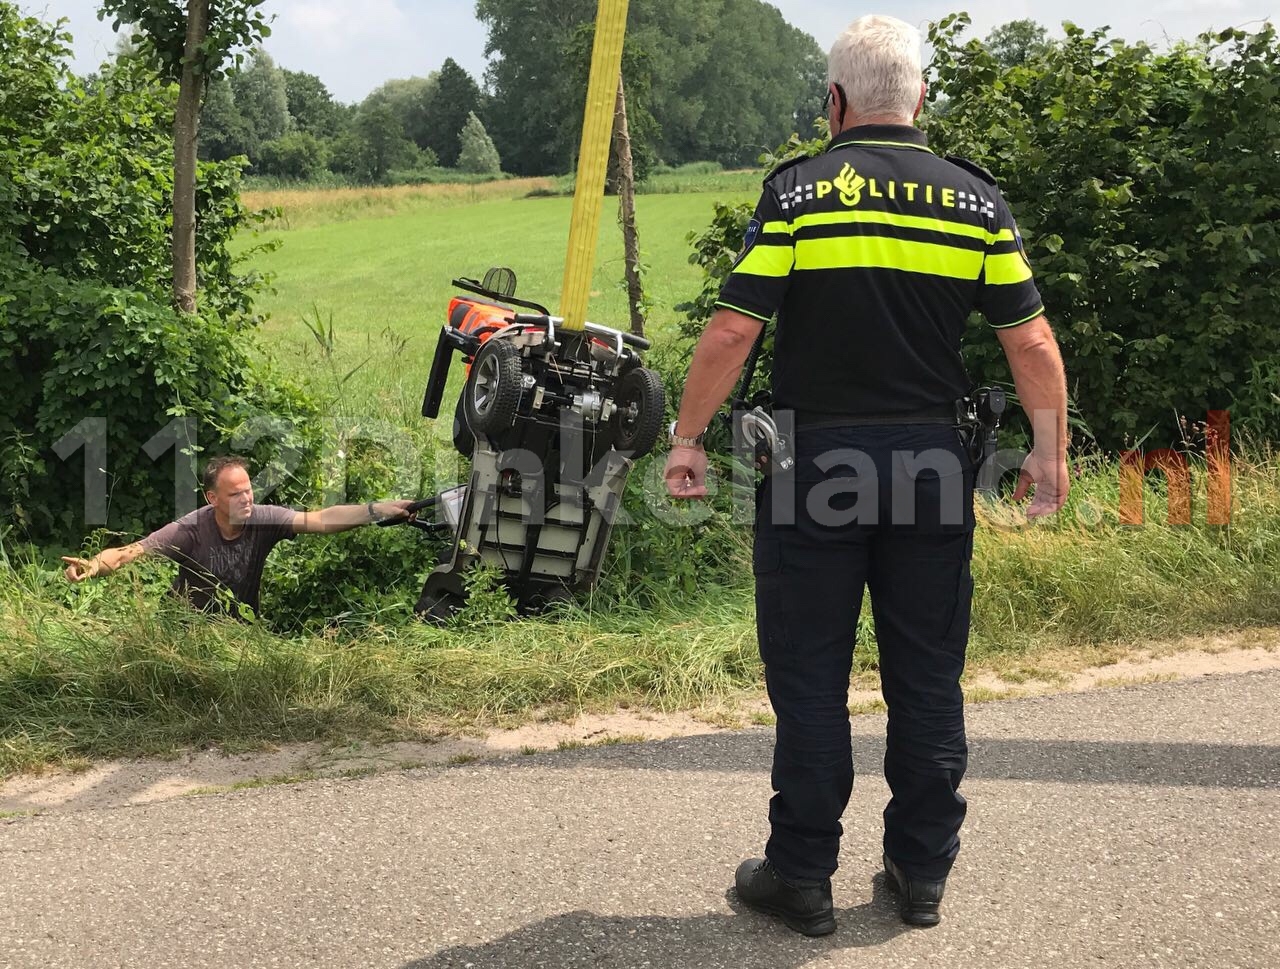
(538, 319)
(413, 509)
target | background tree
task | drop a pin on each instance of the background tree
(193, 42)
(406, 99)
(478, 155)
(725, 76)
(1017, 42)
(311, 106)
(374, 145)
(449, 103)
(223, 133)
(261, 101)
(643, 130)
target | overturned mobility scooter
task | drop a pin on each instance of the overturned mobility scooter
(552, 420)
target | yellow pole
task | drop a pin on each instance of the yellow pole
(593, 161)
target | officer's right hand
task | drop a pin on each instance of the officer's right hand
(1051, 480)
(686, 473)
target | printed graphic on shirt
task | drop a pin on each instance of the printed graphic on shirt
(850, 184)
(853, 189)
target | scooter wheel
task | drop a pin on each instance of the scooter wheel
(642, 403)
(493, 389)
(438, 607)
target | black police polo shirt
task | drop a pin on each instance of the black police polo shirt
(872, 256)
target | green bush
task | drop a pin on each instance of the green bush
(86, 327)
(296, 155)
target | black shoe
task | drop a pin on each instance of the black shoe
(920, 899)
(803, 906)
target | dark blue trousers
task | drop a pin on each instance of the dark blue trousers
(888, 508)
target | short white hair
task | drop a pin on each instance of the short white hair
(877, 63)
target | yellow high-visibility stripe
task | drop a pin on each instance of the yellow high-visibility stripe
(881, 252)
(1007, 269)
(593, 160)
(904, 222)
(766, 261)
(777, 228)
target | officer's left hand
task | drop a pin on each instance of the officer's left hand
(686, 473)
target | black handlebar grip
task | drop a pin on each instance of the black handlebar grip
(414, 508)
(639, 342)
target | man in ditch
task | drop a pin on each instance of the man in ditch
(221, 548)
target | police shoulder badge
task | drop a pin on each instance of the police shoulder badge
(748, 240)
(1022, 247)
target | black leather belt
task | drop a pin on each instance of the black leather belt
(810, 420)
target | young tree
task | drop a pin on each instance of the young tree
(626, 179)
(478, 155)
(193, 41)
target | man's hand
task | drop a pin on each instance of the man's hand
(391, 509)
(80, 569)
(1051, 481)
(686, 473)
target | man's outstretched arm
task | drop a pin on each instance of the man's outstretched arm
(341, 518)
(104, 563)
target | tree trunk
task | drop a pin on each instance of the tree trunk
(186, 126)
(627, 211)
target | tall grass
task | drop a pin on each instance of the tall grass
(300, 207)
(115, 668)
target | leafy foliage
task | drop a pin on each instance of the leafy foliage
(85, 326)
(162, 29)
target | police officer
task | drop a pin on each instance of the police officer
(871, 256)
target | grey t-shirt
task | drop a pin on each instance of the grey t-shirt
(207, 561)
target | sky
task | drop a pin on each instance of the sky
(356, 45)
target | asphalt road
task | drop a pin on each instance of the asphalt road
(1137, 827)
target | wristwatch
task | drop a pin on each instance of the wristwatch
(678, 441)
